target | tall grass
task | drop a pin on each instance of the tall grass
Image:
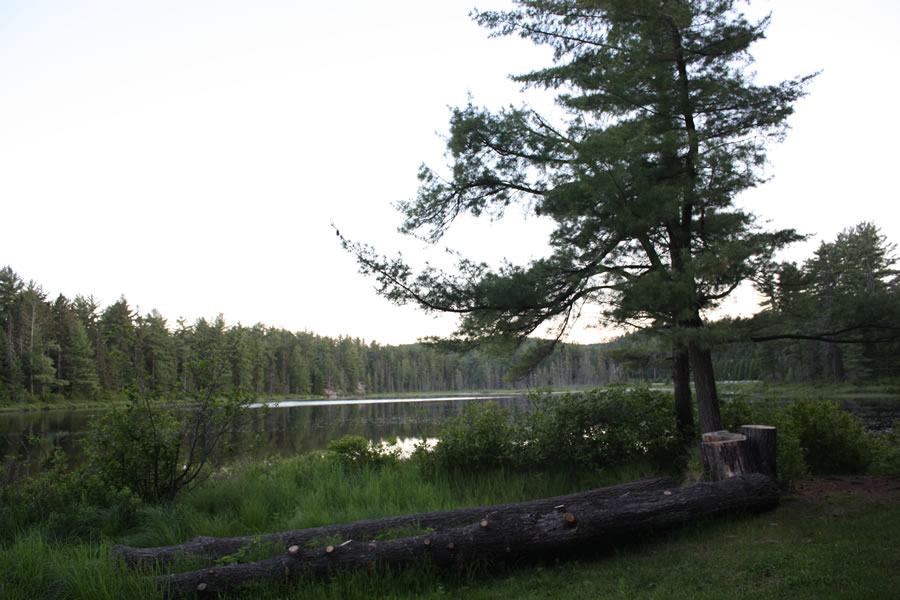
(62, 552)
(31, 568)
(308, 491)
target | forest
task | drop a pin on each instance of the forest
(74, 349)
(833, 317)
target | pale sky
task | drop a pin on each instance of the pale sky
(192, 155)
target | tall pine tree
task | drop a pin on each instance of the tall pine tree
(661, 127)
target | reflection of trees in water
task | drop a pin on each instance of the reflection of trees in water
(32, 436)
(295, 430)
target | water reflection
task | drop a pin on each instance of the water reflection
(287, 429)
(295, 427)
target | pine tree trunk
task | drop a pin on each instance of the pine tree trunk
(681, 377)
(705, 385)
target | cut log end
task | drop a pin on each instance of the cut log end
(724, 454)
(294, 549)
(570, 518)
(201, 587)
(484, 524)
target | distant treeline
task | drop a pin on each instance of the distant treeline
(834, 317)
(74, 349)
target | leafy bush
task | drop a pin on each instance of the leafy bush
(156, 448)
(583, 430)
(886, 452)
(601, 429)
(483, 436)
(65, 503)
(356, 451)
(814, 436)
(833, 440)
(789, 458)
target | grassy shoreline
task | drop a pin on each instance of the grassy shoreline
(56, 529)
(823, 389)
(836, 544)
(269, 399)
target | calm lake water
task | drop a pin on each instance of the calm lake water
(299, 426)
(292, 427)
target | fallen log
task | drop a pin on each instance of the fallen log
(218, 547)
(499, 536)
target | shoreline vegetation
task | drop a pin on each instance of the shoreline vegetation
(58, 527)
(753, 389)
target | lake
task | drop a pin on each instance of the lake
(291, 427)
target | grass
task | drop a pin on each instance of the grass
(282, 495)
(842, 546)
(800, 550)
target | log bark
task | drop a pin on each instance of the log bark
(498, 536)
(724, 454)
(218, 547)
(761, 448)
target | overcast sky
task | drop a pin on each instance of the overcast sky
(192, 155)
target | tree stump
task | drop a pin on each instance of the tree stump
(727, 454)
(724, 454)
(761, 445)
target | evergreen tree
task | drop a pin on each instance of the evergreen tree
(82, 373)
(117, 370)
(11, 376)
(838, 314)
(662, 127)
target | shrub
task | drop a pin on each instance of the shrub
(814, 436)
(157, 448)
(64, 503)
(601, 429)
(483, 436)
(790, 460)
(356, 451)
(833, 440)
(886, 452)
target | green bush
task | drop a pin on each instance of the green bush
(790, 460)
(65, 503)
(886, 452)
(483, 436)
(601, 429)
(833, 440)
(814, 436)
(577, 431)
(356, 451)
(156, 448)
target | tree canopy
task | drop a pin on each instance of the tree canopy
(660, 127)
(845, 300)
